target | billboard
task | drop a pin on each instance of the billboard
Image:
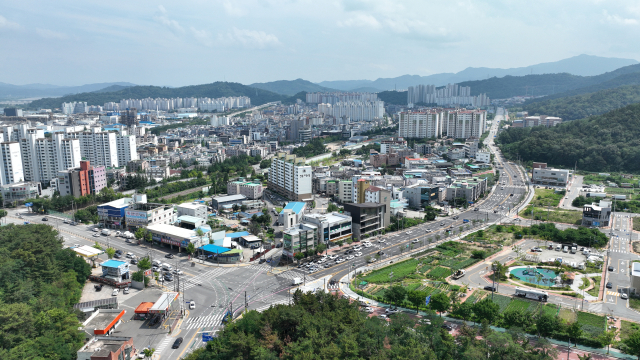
(136, 217)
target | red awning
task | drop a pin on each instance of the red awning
(143, 308)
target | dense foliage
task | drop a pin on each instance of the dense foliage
(608, 142)
(581, 106)
(64, 203)
(393, 97)
(313, 148)
(39, 283)
(213, 90)
(323, 326)
(581, 236)
(174, 187)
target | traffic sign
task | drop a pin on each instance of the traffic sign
(28, 204)
(207, 337)
(426, 300)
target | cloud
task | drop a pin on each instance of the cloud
(6, 24)
(162, 18)
(249, 39)
(50, 34)
(360, 20)
(202, 36)
(619, 20)
(231, 9)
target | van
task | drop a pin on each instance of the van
(167, 267)
(581, 266)
(565, 249)
(106, 232)
(573, 265)
(573, 249)
(296, 281)
(559, 247)
(586, 252)
(156, 263)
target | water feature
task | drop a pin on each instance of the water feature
(532, 275)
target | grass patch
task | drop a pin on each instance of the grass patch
(627, 329)
(546, 197)
(573, 217)
(621, 191)
(636, 223)
(517, 304)
(550, 309)
(596, 289)
(502, 301)
(591, 324)
(567, 315)
(438, 273)
(634, 302)
(472, 298)
(400, 271)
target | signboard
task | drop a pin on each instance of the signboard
(28, 204)
(426, 300)
(596, 223)
(147, 272)
(207, 337)
(136, 217)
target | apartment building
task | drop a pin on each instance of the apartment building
(463, 124)
(11, 165)
(345, 191)
(331, 227)
(483, 157)
(126, 149)
(291, 177)
(422, 125)
(81, 181)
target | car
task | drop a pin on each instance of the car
(117, 255)
(415, 241)
(428, 230)
(475, 209)
(358, 254)
(391, 310)
(115, 292)
(45, 219)
(357, 248)
(511, 194)
(490, 288)
(177, 343)
(98, 287)
(141, 354)
(177, 271)
(192, 305)
(96, 235)
(125, 290)
(624, 296)
(168, 277)
(380, 253)
(609, 285)
(447, 327)
(202, 257)
(382, 241)
(368, 309)
(350, 257)
(134, 261)
(95, 229)
(262, 260)
(383, 317)
(611, 268)
(169, 256)
(372, 260)
(441, 224)
(155, 269)
(327, 265)
(130, 256)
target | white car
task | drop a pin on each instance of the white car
(415, 241)
(358, 254)
(178, 271)
(357, 248)
(382, 241)
(96, 230)
(368, 309)
(130, 256)
(115, 292)
(350, 257)
(192, 305)
(333, 257)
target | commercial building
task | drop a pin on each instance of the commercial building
(331, 227)
(469, 189)
(102, 322)
(421, 125)
(112, 214)
(83, 180)
(367, 218)
(301, 237)
(115, 270)
(249, 189)
(597, 215)
(17, 193)
(291, 214)
(107, 348)
(144, 214)
(291, 177)
(420, 195)
(547, 176)
(219, 202)
(483, 157)
(345, 191)
(194, 209)
(174, 236)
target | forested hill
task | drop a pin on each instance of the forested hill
(581, 106)
(213, 90)
(556, 85)
(608, 142)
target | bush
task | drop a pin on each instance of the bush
(478, 254)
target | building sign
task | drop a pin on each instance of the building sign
(136, 217)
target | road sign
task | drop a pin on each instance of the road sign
(28, 204)
(207, 337)
(426, 300)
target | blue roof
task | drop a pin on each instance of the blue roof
(215, 249)
(296, 207)
(237, 234)
(113, 263)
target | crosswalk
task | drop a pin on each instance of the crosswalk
(259, 267)
(163, 345)
(619, 251)
(263, 308)
(204, 321)
(612, 293)
(292, 274)
(200, 278)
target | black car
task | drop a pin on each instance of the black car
(447, 327)
(262, 260)
(134, 261)
(169, 256)
(380, 253)
(45, 219)
(154, 321)
(490, 288)
(119, 251)
(117, 255)
(177, 343)
(98, 287)
(611, 268)
(609, 285)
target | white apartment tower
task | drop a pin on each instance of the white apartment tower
(463, 124)
(99, 147)
(11, 165)
(126, 149)
(291, 177)
(420, 125)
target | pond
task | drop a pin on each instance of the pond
(544, 277)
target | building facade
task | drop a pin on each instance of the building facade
(291, 177)
(331, 227)
(367, 218)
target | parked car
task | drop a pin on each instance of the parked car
(125, 290)
(609, 285)
(115, 292)
(98, 287)
(490, 288)
(611, 268)
(447, 327)
(169, 256)
(624, 296)
(45, 219)
(177, 343)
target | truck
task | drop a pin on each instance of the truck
(458, 274)
(532, 294)
(598, 195)
(465, 220)
(106, 232)
(296, 281)
(127, 235)
(619, 197)
(573, 249)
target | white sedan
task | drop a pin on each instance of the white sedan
(350, 257)
(115, 292)
(358, 254)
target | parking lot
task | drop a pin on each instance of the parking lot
(546, 255)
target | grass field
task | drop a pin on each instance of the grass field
(553, 215)
(550, 309)
(439, 273)
(636, 223)
(627, 329)
(517, 304)
(567, 315)
(596, 288)
(591, 324)
(544, 197)
(502, 301)
(400, 271)
(634, 303)
(622, 191)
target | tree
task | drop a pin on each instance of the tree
(463, 310)
(148, 352)
(148, 237)
(417, 298)
(190, 249)
(546, 324)
(110, 252)
(340, 243)
(199, 233)
(332, 207)
(298, 256)
(395, 294)
(574, 331)
(140, 233)
(144, 263)
(608, 337)
(321, 248)
(633, 343)
(440, 302)
(3, 213)
(486, 310)
(349, 241)
(367, 258)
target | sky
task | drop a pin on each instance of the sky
(187, 42)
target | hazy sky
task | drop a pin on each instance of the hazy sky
(73, 42)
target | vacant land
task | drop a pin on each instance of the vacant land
(573, 217)
(546, 197)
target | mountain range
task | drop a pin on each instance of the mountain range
(9, 91)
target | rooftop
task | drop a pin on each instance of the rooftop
(229, 198)
(296, 207)
(113, 263)
(191, 205)
(172, 230)
(214, 249)
(189, 219)
(237, 234)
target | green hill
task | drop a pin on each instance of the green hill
(608, 142)
(214, 90)
(291, 87)
(552, 85)
(581, 106)
(393, 97)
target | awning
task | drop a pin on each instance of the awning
(143, 308)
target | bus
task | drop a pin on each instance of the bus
(532, 294)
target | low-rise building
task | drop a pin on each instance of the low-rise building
(367, 218)
(547, 176)
(194, 209)
(251, 190)
(420, 195)
(219, 201)
(331, 227)
(299, 238)
(345, 191)
(596, 215)
(107, 348)
(483, 157)
(174, 236)
(17, 193)
(145, 214)
(158, 172)
(468, 189)
(291, 214)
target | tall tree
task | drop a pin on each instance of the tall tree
(440, 302)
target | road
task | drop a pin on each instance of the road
(573, 192)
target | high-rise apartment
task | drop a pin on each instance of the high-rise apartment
(290, 177)
(425, 124)
(11, 165)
